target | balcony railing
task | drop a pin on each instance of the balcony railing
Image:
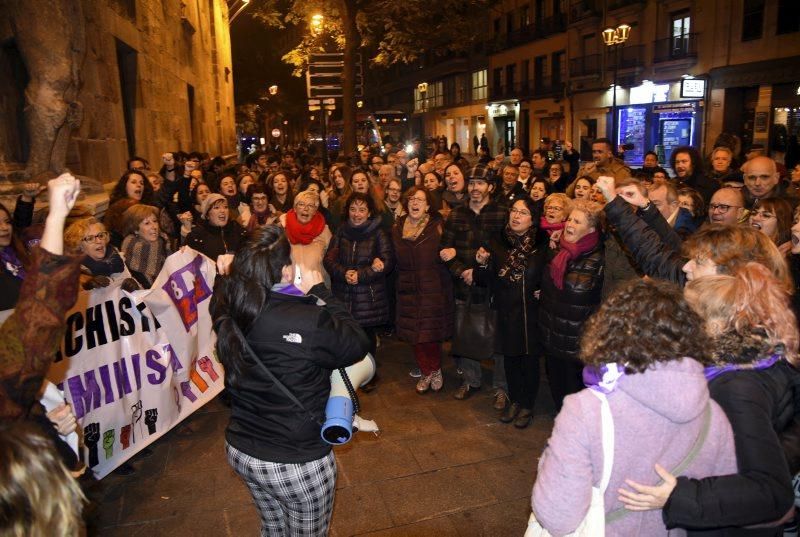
(585, 66)
(582, 9)
(531, 32)
(629, 57)
(675, 48)
(535, 88)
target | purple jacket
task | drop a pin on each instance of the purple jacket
(657, 415)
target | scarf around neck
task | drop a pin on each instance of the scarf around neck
(12, 263)
(298, 233)
(110, 264)
(513, 268)
(550, 228)
(569, 251)
(713, 371)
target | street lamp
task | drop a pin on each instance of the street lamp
(316, 23)
(615, 38)
(273, 90)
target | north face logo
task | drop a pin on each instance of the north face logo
(293, 338)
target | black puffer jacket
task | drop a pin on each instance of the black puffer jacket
(355, 249)
(562, 312)
(213, 241)
(301, 341)
(760, 405)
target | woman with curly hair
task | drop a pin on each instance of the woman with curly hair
(131, 189)
(659, 401)
(753, 377)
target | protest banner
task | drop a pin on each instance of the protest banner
(133, 365)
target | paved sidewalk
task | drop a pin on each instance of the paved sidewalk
(440, 467)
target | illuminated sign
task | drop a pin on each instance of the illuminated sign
(693, 87)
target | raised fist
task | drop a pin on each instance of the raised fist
(108, 443)
(91, 436)
(150, 418)
(96, 282)
(125, 436)
(207, 366)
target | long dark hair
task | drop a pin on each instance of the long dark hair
(17, 244)
(240, 297)
(120, 192)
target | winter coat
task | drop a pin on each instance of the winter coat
(706, 186)
(615, 168)
(424, 286)
(657, 254)
(517, 192)
(658, 415)
(514, 301)
(355, 249)
(300, 340)
(467, 231)
(213, 241)
(760, 405)
(562, 312)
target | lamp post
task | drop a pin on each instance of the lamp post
(615, 38)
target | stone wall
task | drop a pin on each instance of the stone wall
(163, 47)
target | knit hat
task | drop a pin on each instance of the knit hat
(209, 202)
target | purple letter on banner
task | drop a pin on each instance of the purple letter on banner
(187, 288)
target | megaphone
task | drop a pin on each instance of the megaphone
(340, 416)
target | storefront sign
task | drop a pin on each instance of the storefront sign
(649, 93)
(693, 87)
(674, 107)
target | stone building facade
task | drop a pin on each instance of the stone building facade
(155, 76)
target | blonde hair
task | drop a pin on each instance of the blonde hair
(563, 198)
(135, 214)
(591, 209)
(744, 303)
(74, 234)
(38, 495)
(306, 196)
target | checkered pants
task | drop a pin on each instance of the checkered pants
(292, 499)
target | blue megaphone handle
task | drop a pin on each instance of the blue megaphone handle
(338, 426)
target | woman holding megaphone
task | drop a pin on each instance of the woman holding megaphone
(279, 335)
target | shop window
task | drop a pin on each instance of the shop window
(788, 16)
(752, 19)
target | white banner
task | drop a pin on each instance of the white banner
(133, 365)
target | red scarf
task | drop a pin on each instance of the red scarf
(298, 233)
(569, 251)
(548, 227)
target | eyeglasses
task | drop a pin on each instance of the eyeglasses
(393, 190)
(721, 207)
(103, 235)
(259, 198)
(763, 214)
(417, 200)
(303, 206)
(553, 208)
(521, 212)
(525, 166)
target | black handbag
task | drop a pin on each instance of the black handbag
(475, 329)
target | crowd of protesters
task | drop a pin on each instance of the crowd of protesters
(669, 291)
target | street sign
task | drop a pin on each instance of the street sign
(324, 75)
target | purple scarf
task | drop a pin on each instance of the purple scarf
(603, 378)
(287, 289)
(12, 263)
(713, 371)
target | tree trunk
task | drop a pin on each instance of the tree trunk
(351, 46)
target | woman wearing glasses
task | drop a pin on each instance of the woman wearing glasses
(773, 217)
(511, 267)
(102, 263)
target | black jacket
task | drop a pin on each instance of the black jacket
(562, 312)
(355, 249)
(213, 241)
(301, 341)
(515, 302)
(657, 255)
(760, 406)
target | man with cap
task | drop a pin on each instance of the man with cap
(469, 227)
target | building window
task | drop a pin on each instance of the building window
(479, 85)
(681, 27)
(788, 16)
(509, 22)
(752, 20)
(559, 67)
(419, 100)
(511, 76)
(524, 16)
(497, 26)
(436, 94)
(497, 80)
